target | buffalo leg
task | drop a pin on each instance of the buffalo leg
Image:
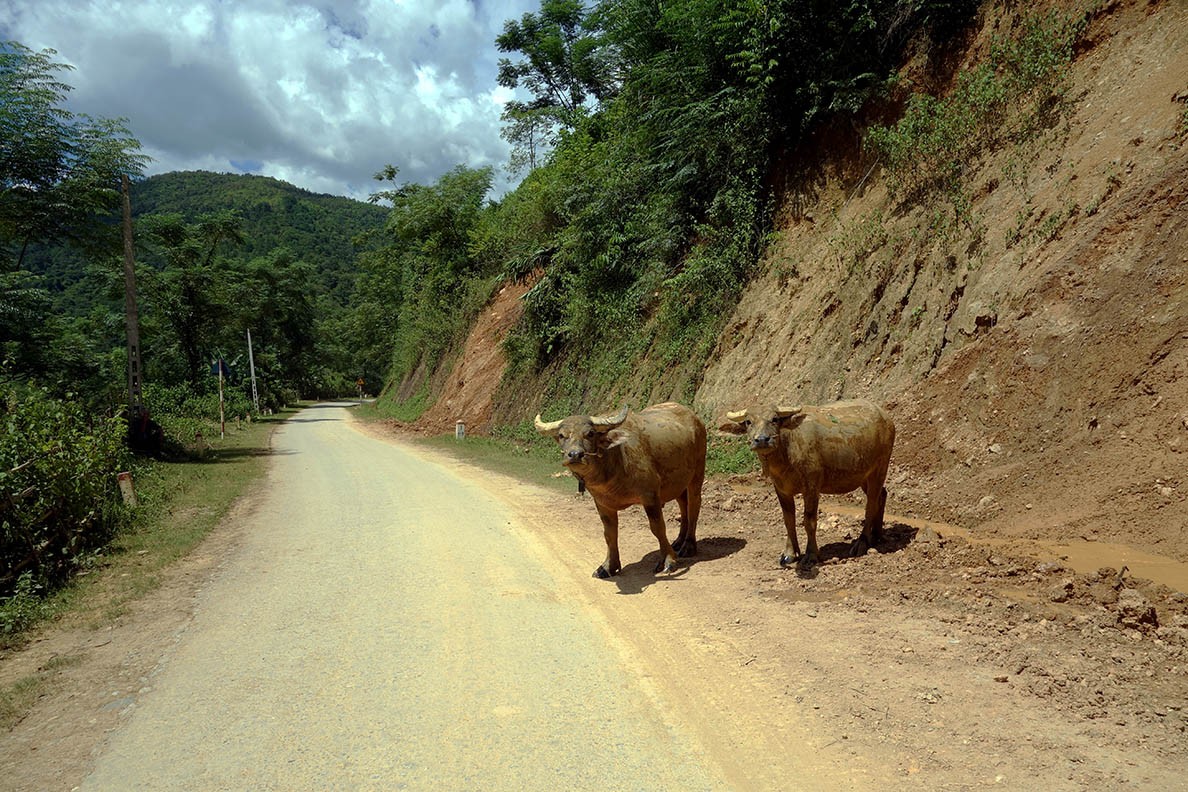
(811, 555)
(792, 546)
(610, 530)
(686, 541)
(878, 525)
(694, 509)
(872, 521)
(690, 503)
(872, 525)
(667, 562)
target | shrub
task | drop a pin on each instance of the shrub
(59, 497)
(189, 418)
(23, 608)
(1007, 99)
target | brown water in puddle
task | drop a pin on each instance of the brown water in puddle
(1082, 557)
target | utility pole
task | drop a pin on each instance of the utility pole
(252, 369)
(222, 415)
(131, 320)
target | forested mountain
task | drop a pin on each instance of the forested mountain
(318, 229)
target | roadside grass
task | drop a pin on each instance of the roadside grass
(389, 407)
(17, 698)
(536, 464)
(540, 462)
(180, 503)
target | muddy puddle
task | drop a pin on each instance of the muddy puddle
(1081, 556)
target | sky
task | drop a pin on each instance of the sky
(319, 93)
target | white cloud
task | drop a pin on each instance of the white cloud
(321, 94)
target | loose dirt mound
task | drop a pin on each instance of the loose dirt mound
(954, 657)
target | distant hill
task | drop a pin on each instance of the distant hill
(319, 229)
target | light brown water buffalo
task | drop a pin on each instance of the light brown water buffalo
(648, 457)
(831, 449)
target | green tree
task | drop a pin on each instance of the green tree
(275, 301)
(193, 287)
(662, 183)
(59, 171)
(564, 65)
(419, 289)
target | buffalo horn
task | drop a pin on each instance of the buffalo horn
(738, 416)
(604, 423)
(784, 412)
(546, 428)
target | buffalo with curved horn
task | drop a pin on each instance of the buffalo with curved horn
(649, 458)
(831, 449)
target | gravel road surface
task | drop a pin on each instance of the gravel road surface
(385, 625)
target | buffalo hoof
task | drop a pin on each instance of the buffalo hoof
(685, 548)
(787, 560)
(858, 548)
(602, 573)
(665, 565)
(807, 562)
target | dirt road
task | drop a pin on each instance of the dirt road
(386, 625)
(380, 618)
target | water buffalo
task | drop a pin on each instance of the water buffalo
(831, 449)
(648, 457)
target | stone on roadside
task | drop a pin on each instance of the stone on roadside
(1135, 611)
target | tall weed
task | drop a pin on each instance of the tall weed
(1008, 99)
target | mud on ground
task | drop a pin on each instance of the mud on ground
(948, 654)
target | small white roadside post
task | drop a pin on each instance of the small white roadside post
(126, 489)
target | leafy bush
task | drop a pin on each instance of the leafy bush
(660, 191)
(59, 497)
(23, 608)
(189, 418)
(1008, 98)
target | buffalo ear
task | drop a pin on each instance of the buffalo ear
(732, 427)
(792, 421)
(616, 438)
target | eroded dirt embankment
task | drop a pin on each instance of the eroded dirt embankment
(1038, 368)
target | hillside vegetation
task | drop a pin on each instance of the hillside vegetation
(996, 250)
(653, 142)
